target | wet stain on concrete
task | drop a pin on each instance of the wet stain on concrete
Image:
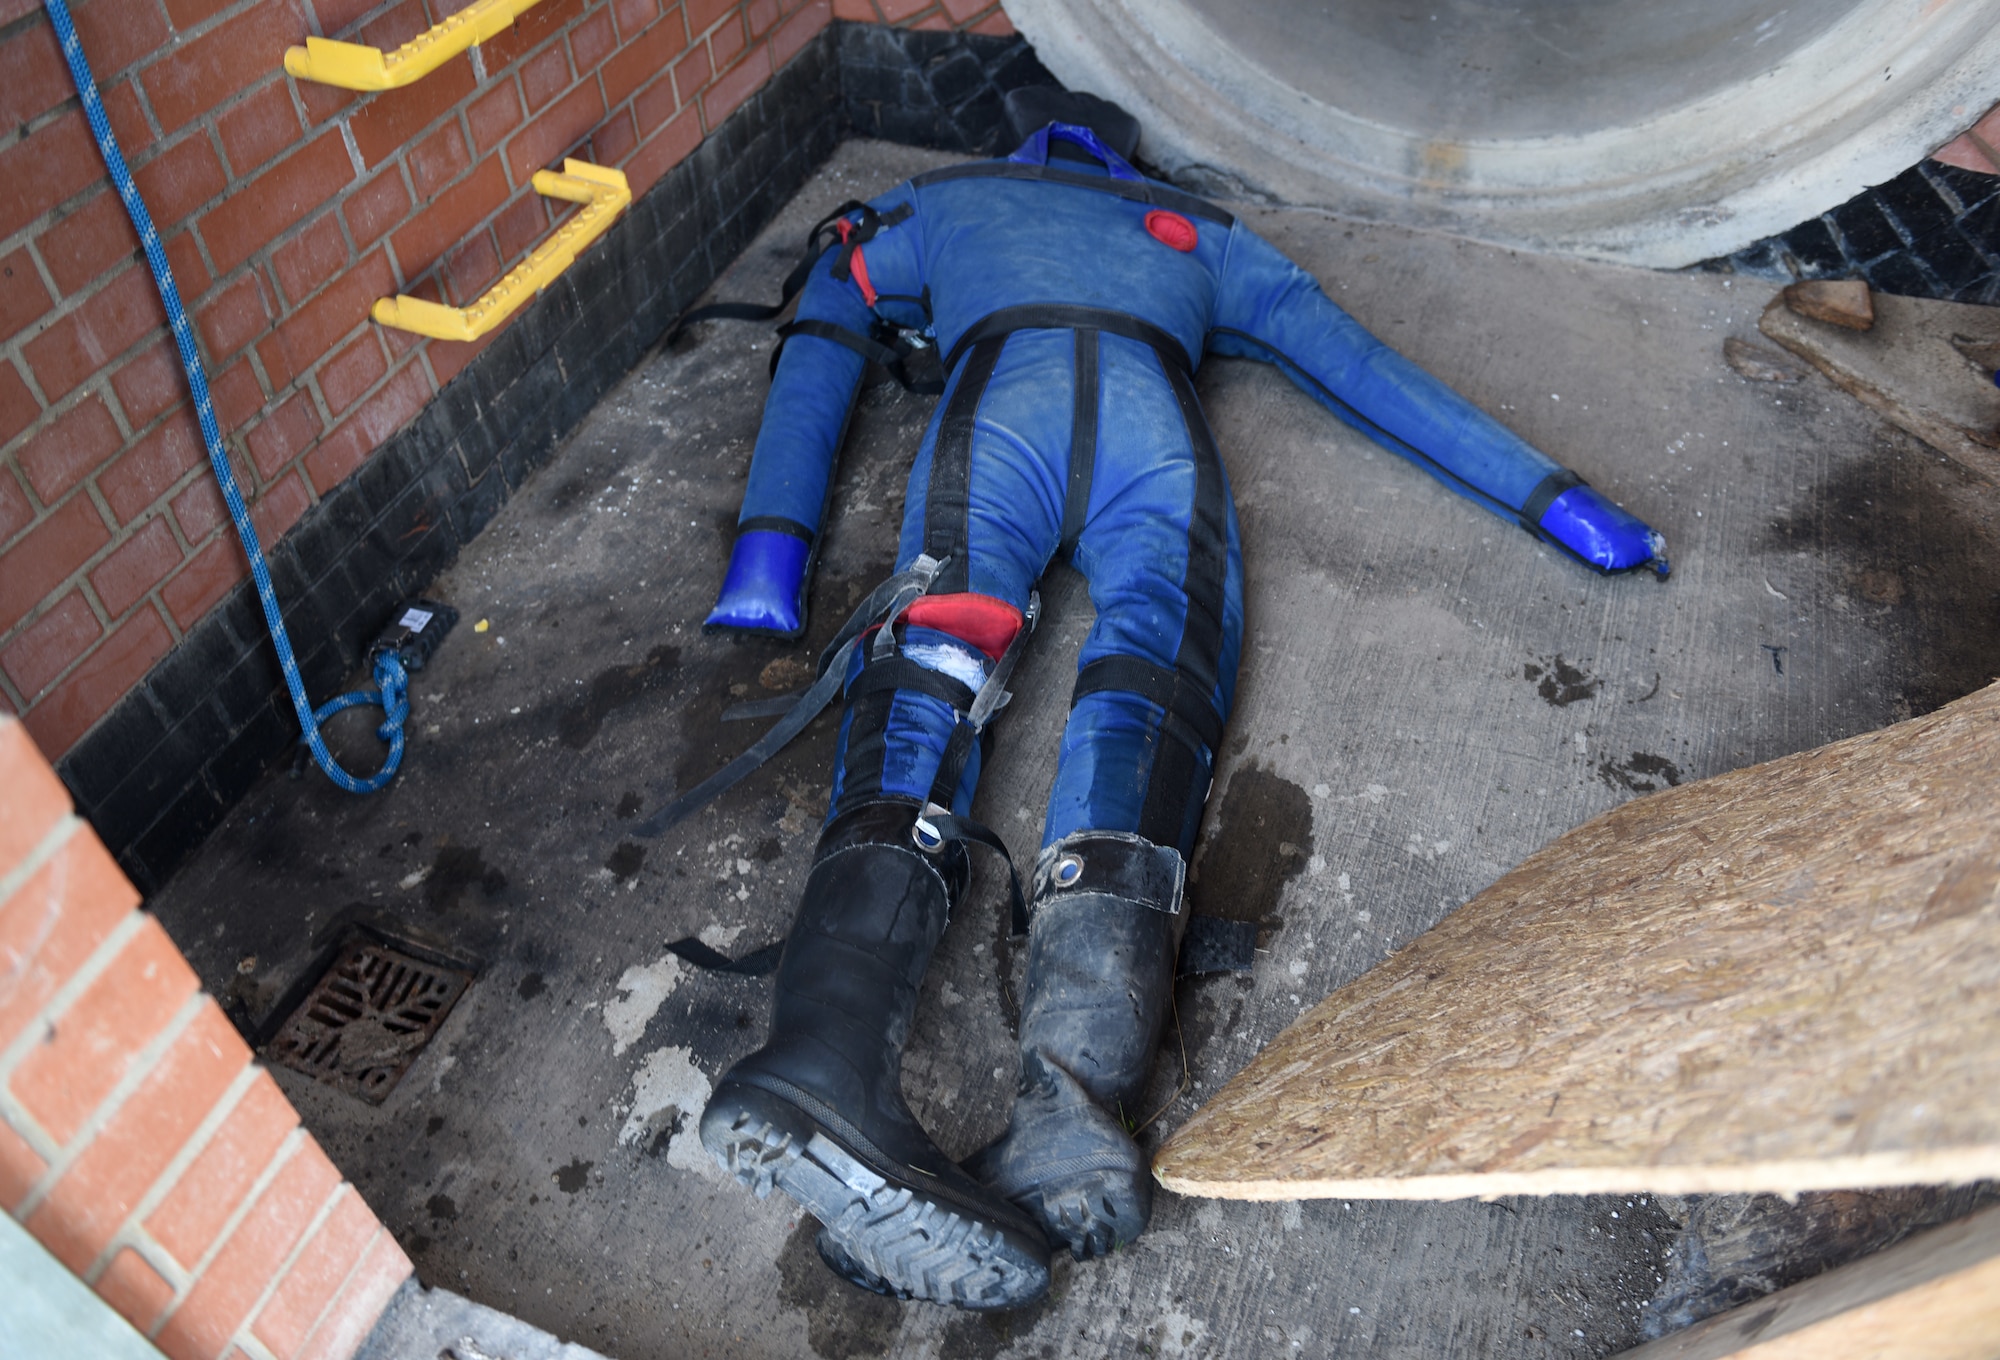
(1639, 772)
(1914, 543)
(1260, 841)
(432, 1125)
(1559, 682)
(712, 743)
(572, 1178)
(531, 987)
(1209, 1005)
(629, 804)
(442, 1208)
(843, 1322)
(983, 1336)
(625, 860)
(456, 868)
(610, 690)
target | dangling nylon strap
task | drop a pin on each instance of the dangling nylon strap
(938, 822)
(990, 699)
(827, 227)
(937, 828)
(834, 228)
(895, 592)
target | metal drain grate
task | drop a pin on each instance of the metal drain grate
(367, 1019)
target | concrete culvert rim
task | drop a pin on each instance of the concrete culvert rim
(1658, 132)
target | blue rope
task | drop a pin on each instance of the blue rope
(392, 692)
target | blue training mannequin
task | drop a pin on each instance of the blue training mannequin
(1072, 301)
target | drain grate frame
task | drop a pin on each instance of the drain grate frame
(371, 1013)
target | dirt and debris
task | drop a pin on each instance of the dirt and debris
(1923, 366)
(1390, 755)
(1761, 363)
(1837, 302)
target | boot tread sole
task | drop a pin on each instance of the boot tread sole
(917, 1246)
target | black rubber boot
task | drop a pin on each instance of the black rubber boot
(818, 1111)
(1107, 923)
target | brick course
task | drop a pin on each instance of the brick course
(287, 209)
(1932, 231)
(138, 1141)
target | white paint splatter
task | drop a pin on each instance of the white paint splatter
(669, 1088)
(1375, 793)
(646, 987)
(719, 937)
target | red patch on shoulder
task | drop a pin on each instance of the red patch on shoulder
(1172, 229)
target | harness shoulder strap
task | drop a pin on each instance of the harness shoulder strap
(1063, 316)
(1139, 191)
(818, 240)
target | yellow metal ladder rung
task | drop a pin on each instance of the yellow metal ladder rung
(354, 67)
(603, 193)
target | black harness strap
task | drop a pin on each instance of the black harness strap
(1194, 719)
(948, 495)
(1544, 495)
(1063, 316)
(832, 673)
(1082, 441)
(1139, 191)
(891, 357)
(775, 524)
(756, 963)
(973, 717)
(936, 829)
(794, 281)
(899, 672)
(875, 348)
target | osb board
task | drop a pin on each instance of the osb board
(1934, 1297)
(1775, 980)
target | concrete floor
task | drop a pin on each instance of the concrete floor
(1428, 696)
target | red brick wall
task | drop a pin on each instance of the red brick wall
(286, 210)
(138, 1141)
(1978, 149)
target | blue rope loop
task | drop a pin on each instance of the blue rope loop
(392, 683)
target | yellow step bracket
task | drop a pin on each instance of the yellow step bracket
(604, 194)
(354, 67)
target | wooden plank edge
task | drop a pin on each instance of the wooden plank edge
(1935, 1296)
(1939, 1166)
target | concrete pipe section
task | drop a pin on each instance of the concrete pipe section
(1659, 132)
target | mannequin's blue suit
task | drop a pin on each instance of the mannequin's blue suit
(1072, 302)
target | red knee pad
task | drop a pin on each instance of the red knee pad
(981, 620)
